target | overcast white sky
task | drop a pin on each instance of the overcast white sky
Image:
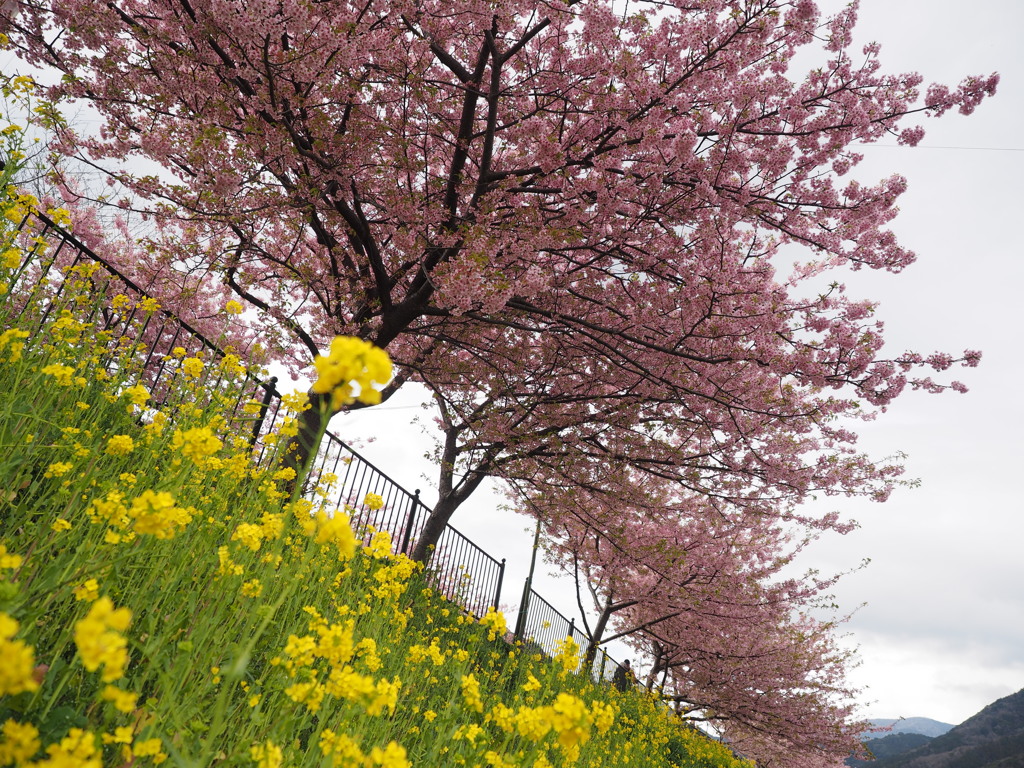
(942, 633)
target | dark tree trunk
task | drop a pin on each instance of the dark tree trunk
(437, 521)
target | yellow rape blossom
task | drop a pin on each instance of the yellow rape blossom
(99, 639)
(385, 696)
(19, 742)
(343, 749)
(310, 694)
(373, 501)
(495, 760)
(227, 567)
(155, 513)
(495, 623)
(137, 395)
(471, 692)
(250, 534)
(119, 445)
(123, 701)
(58, 469)
(196, 443)
(121, 735)
(12, 339)
(336, 530)
(267, 755)
(11, 258)
(418, 653)
(571, 720)
(604, 716)
(533, 723)
(344, 682)
(367, 650)
(8, 560)
(351, 361)
(152, 748)
(88, 590)
(192, 367)
(18, 660)
(391, 756)
(379, 546)
(567, 656)
(76, 750)
(62, 373)
(470, 732)
(503, 717)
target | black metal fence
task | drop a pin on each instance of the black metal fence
(154, 341)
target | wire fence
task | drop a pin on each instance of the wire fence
(136, 333)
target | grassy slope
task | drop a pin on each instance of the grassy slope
(161, 599)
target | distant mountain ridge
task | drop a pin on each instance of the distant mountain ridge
(888, 746)
(922, 725)
(993, 738)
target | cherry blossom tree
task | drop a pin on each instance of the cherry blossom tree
(623, 175)
(701, 590)
(564, 421)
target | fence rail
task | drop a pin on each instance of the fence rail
(158, 339)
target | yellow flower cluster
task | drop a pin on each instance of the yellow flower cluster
(351, 361)
(9, 561)
(151, 748)
(155, 513)
(568, 717)
(344, 752)
(471, 693)
(88, 590)
(16, 672)
(123, 701)
(19, 742)
(136, 394)
(119, 445)
(495, 623)
(192, 367)
(196, 443)
(64, 374)
(12, 341)
(379, 546)
(334, 645)
(420, 653)
(267, 755)
(335, 529)
(76, 750)
(567, 656)
(100, 640)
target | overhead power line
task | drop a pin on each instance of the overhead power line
(932, 146)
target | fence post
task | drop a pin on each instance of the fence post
(268, 394)
(604, 661)
(501, 578)
(524, 606)
(413, 504)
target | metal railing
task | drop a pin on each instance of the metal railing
(159, 340)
